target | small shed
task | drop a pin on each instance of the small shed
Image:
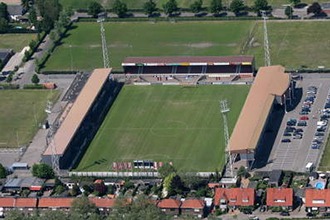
(275, 178)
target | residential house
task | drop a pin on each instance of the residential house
(63, 204)
(234, 197)
(104, 205)
(169, 206)
(280, 197)
(27, 205)
(6, 204)
(317, 200)
(15, 12)
(195, 207)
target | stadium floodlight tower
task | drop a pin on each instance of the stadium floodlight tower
(106, 62)
(224, 110)
(266, 42)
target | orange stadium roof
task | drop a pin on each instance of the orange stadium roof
(270, 81)
(78, 111)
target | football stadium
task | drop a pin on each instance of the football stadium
(169, 113)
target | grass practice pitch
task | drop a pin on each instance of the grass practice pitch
(292, 43)
(82, 50)
(16, 41)
(165, 123)
(21, 113)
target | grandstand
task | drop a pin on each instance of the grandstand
(189, 69)
(271, 86)
(81, 122)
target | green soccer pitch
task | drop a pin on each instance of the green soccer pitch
(166, 123)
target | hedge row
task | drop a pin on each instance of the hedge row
(58, 72)
(33, 86)
(9, 86)
(308, 71)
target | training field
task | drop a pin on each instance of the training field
(16, 41)
(83, 46)
(292, 44)
(21, 112)
(165, 123)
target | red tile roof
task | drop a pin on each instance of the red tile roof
(169, 204)
(55, 202)
(213, 185)
(317, 198)
(103, 202)
(235, 196)
(26, 202)
(279, 197)
(193, 204)
(7, 202)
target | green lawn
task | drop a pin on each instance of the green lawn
(83, 46)
(15, 41)
(21, 112)
(165, 123)
(325, 160)
(293, 44)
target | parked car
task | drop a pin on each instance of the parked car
(316, 142)
(287, 134)
(326, 214)
(302, 123)
(285, 213)
(321, 128)
(297, 136)
(289, 129)
(315, 146)
(319, 138)
(299, 130)
(286, 140)
(291, 122)
(304, 118)
(319, 134)
(303, 113)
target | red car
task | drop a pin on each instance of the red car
(304, 118)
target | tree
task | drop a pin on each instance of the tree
(149, 7)
(141, 208)
(43, 170)
(100, 188)
(49, 11)
(315, 8)
(3, 171)
(196, 6)
(83, 207)
(3, 11)
(33, 16)
(261, 5)
(170, 7)
(14, 215)
(35, 80)
(216, 6)
(3, 25)
(75, 190)
(237, 6)
(173, 185)
(288, 11)
(242, 172)
(26, 4)
(165, 170)
(294, 2)
(94, 8)
(119, 8)
(51, 215)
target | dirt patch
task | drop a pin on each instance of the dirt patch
(203, 45)
(120, 45)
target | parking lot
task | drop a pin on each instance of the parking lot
(295, 145)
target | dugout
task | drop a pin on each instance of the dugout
(212, 66)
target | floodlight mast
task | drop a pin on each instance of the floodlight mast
(224, 110)
(106, 62)
(266, 42)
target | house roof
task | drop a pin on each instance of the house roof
(7, 202)
(275, 175)
(15, 9)
(279, 197)
(26, 202)
(193, 204)
(184, 60)
(169, 204)
(235, 196)
(317, 198)
(103, 202)
(55, 202)
(78, 111)
(271, 81)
